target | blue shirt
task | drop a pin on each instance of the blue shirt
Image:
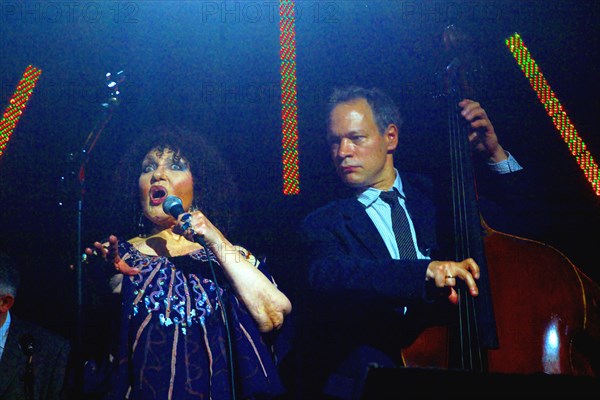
(380, 213)
(4, 333)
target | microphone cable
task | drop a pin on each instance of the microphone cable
(199, 240)
(173, 206)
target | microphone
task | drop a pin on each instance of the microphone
(26, 344)
(173, 206)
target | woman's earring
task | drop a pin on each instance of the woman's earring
(140, 225)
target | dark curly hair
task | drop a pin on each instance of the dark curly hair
(215, 190)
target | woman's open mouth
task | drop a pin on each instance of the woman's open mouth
(158, 194)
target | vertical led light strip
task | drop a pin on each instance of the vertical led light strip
(17, 104)
(560, 119)
(289, 99)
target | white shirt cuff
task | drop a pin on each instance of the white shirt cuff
(505, 166)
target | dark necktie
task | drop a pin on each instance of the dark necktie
(406, 247)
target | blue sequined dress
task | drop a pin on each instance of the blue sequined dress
(173, 338)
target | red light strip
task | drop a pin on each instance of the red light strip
(289, 100)
(17, 104)
(555, 110)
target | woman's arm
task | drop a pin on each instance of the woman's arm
(265, 302)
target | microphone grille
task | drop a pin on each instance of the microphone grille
(170, 202)
(26, 344)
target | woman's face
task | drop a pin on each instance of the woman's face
(163, 175)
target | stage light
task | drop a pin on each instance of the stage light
(17, 104)
(555, 110)
(289, 99)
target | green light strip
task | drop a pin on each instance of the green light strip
(17, 104)
(289, 99)
(555, 110)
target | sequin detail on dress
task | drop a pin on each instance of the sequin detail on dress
(173, 336)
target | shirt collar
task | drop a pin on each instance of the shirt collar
(370, 195)
(4, 332)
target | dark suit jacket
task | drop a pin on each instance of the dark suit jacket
(362, 307)
(347, 253)
(361, 304)
(50, 358)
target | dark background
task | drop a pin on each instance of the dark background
(214, 66)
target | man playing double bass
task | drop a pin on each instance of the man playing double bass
(370, 291)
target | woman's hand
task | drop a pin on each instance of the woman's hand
(109, 251)
(195, 224)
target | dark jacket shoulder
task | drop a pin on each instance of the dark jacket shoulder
(50, 356)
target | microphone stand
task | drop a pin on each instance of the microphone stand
(29, 379)
(85, 153)
(26, 345)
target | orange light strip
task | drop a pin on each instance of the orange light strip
(17, 104)
(555, 110)
(289, 100)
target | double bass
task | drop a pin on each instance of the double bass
(544, 311)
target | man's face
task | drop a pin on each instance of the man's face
(6, 302)
(362, 156)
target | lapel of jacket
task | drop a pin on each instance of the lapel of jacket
(362, 229)
(13, 360)
(421, 208)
